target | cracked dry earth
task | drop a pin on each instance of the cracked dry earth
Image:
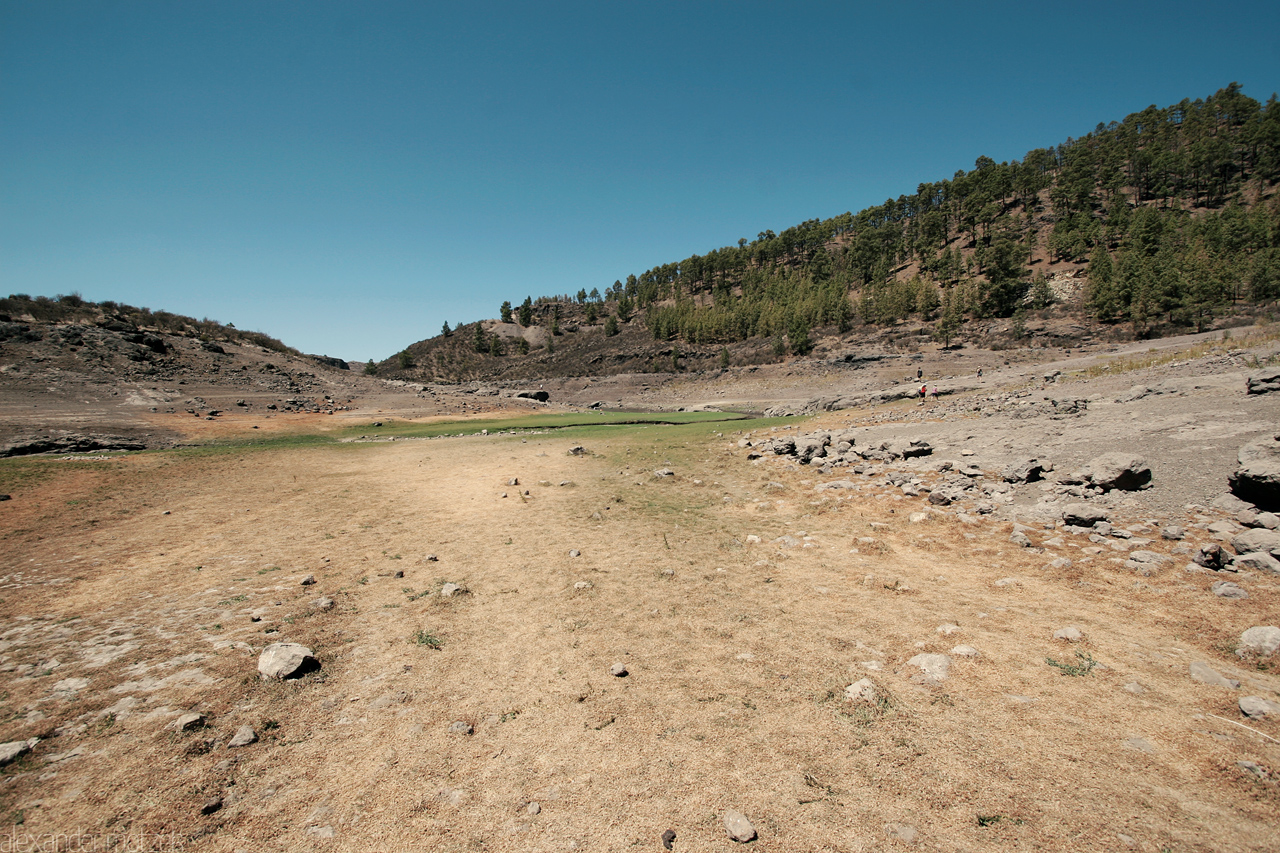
(741, 601)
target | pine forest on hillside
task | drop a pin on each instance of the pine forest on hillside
(1171, 216)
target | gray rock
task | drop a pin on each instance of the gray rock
(308, 580)
(1205, 674)
(15, 749)
(449, 590)
(863, 690)
(965, 652)
(1083, 515)
(574, 552)
(323, 603)
(1257, 480)
(1145, 562)
(211, 806)
(1137, 392)
(1020, 538)
(1257, 562)
(1071, 634)
(285, 660)
(189, 722)
(1173, 533)
(1261, 640)
(1210, 556)
(1226, 589)
(461, 727)
(1257, 539)
(1256, 707)
(533, 808)
(1264, 381)
(934, 668)
(244, 736)
(664, 472)
(1026, 471)
(1269, 520)
(738, 827)
(618, 670)
(1124, 471)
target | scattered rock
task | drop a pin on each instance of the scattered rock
(211, 806)
(1257, 539)
(323, 603)
(461, 727)
(738, 827)
(1226, 589)
(533, 808)
(575, 553)
(1020, 538)
(1256, 561)
(1124, 471)
(965, 652)
(286, 660)
(15, 749)
(1205, 674)
(1263, 382)
(1209, 555)
(664, 472)
(581, 585)
(863, 690)
(1027, 471)
(1256, 707)
(308, 580)
(1071, 634)
(618, 670)
(1172, 533)
(1257, 480)
(1083, 515)
(668, 838)
(431, 558)
(244, 736)
(1261, 640)
(189, 722)
(933, 667)
(449, 590)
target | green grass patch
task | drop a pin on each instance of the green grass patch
(1085, 664)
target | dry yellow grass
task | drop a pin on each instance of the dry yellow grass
(738, 654)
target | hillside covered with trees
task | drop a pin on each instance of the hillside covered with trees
(1161, 221)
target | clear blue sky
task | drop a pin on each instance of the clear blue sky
(347, 176)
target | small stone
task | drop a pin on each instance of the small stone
(449, 590)
(1071, 634)
(308, 580)
(863, 690)
(965, 652)
(244, 736)
(533, 808)
(668, 838)
(15, 749)
(461, 727)
(432, 558)
(1020, 538)
(1134, 687)
(1205, 674)
(1226, 589)
(580, 585)
(399, 573)
(948, 628)
(738, 827)
(1255, 707)
(933, 667)
(285, 660)
(323, 603)
(575, 553)
(211, 806)
(1173, 532)
(189, 722)
(618, 670)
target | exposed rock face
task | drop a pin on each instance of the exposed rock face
(1083, 515)
(1257, 480)
(1027, 471)
(1256, 540)
(69, 443)
(1264, 381)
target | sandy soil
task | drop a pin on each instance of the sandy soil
(129, 582)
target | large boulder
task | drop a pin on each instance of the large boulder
(1264, 381)
(1261, 640)
(1124, 471)
(286, 660)
(1026, 471)
(1257, 539)
(1257, 480)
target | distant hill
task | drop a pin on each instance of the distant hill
(1165, 222)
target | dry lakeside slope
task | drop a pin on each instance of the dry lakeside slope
(864, 622)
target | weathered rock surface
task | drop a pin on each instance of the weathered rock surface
(1257, 539)
(1256, 707)
(1263, 382)
(244, 736)
(1124, 471)
(863, 690)
(738, 827)
(1083, 515)
(934, 668)
(1257, 480)
(1227, 589)
(1205, 674)
(15, 749)
(1262, 640)
(285, 660)
(1257, 561)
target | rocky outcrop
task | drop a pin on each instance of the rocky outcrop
(1264, 381)
(69, 443)
(1257, 480)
